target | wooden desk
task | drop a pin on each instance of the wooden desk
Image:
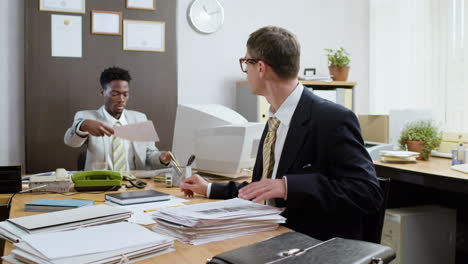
(435, 173)
(430, 182)
(184, 253)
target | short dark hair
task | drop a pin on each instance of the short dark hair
(112, 74)
(279, 48)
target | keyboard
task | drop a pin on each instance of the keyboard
(461, 167)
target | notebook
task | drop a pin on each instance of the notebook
(137, 197)
(50, 205)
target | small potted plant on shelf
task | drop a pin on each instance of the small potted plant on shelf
(420, 136)
(338, 61)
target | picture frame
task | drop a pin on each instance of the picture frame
(64, 6)
(142, 35)
(141, 4)
(106, 22)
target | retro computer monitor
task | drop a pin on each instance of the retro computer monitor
(223, 141)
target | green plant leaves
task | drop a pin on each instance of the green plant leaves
(339, 57)
(422, 130)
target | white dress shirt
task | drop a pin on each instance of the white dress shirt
(110, 121)
(284, 114)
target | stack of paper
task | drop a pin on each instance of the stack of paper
(16, 228)
(390, 156)
(111, 243)
(207, 222)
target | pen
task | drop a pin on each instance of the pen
(174, 159)
(151, 210)
(88, 199)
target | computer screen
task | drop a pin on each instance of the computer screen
(223, 141)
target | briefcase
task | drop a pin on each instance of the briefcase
(294, 247)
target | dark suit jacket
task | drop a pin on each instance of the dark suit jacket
(331, 181)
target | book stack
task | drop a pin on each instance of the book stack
(15, 229)
(136, 197)
(110, 243)
(389, 156)
(50, 205)
(207, 222)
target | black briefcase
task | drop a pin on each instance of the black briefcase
(294, 247)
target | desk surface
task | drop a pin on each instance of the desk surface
(184, 253)
(435, 173)
(435, 166)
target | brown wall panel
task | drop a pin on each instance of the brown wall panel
(56, 88)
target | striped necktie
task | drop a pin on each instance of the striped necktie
(269, 148)
(118, 153)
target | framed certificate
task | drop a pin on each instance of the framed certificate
(66, 6)
(106, 22)
(141, 4)
(142, 35)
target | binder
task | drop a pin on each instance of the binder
(294, 247)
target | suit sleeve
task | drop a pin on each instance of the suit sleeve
(349, 185)
(71, 138)
(226, 190)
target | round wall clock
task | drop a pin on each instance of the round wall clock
(206, 16)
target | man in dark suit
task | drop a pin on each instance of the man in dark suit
(311, 159)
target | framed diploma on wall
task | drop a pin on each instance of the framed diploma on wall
(66, 6)
(106, 22)
(139, 35)
(141, 4)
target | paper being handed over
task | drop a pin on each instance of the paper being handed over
(143, 131)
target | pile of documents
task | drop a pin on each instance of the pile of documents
(15, 229)
(110, 243)
(207, 222)
(390, 156)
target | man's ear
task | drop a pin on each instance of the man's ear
(101, 91)
(262, 68)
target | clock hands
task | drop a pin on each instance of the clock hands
(210, 13)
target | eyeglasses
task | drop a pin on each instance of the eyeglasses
(245, 61)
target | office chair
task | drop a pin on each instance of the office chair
(81, 161)
(373, 223)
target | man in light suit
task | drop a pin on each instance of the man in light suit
(94, 128)
(311, 159)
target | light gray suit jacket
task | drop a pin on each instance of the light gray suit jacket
(146, 155)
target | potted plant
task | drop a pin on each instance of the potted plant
(420, 136)
(338, 61)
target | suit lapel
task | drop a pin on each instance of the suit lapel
(296, 134)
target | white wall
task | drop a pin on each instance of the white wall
(12, 82)
(208, 65)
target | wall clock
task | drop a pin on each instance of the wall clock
(206, 16)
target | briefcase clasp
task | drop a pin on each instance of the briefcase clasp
(291, 252)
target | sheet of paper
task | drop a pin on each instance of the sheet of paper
(143, 131)
(144, 35)
(106, 23)
(146, 4)
(66, 36)
(139, 216)
(64, 5)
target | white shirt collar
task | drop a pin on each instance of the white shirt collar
(112, 120)
(287, 108)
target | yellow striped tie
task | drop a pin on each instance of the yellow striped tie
(118, 153)
(269, 148)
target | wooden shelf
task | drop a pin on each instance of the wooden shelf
(319, 83)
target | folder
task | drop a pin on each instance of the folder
(294, 247)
